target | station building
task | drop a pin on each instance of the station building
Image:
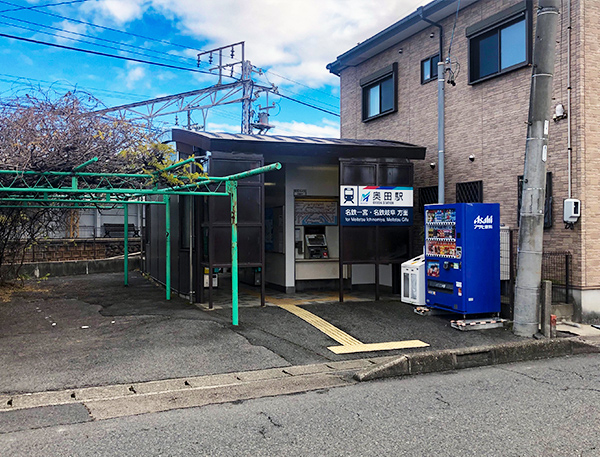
(290, 234)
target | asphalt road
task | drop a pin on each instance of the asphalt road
(549, 408)
(91, 331)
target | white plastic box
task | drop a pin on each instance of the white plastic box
(413, 281)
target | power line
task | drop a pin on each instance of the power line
(312, 99)
(308, 104)
(90, 36)
(303, 96)
(299, 83)
(88, 42)
(87, 51)
(103, 54)
(24, 81)
(20, 8)
(77, 21)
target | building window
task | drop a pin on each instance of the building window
(469, 192)
(379, 93)
(500, 43)
(547, 203)
(427, 196)
(429, 68)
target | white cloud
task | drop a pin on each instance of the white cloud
(326, 129)
(220, 127)
(121, 11)
(70, 27)
(134, 74)
(295, 38)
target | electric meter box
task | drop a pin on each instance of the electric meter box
(572, 210)
(413, 281)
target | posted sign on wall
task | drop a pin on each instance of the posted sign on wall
(376, 205)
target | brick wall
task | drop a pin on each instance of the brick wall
(489, 119)
(79, 249)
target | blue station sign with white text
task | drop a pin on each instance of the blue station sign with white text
(376, 205)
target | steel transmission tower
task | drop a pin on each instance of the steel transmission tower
(225, 65)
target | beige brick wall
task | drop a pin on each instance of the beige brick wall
(489, 119)
(588, 155)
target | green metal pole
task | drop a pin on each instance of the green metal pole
(232, 191)
(85, 164)
(176, 165)
(167, 200)
(235, 177)
(126, 242)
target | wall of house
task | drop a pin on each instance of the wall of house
(91, 221)
(587, 42)
(489, 119)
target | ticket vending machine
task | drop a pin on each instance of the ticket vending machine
(462, 257)
(316, 246)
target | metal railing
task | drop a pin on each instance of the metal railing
(556, 267)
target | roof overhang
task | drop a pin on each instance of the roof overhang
(396, 33)
(274, 147)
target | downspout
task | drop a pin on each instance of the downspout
(441, 132)
(569, 146)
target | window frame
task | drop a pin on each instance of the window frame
(431, 68)
(423, 193)
(376, 79)
(496, 23)
(462, 188)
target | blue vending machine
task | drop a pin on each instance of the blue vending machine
(462, 257)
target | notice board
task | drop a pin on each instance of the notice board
(315, 212)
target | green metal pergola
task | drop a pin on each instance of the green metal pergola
(82, 190)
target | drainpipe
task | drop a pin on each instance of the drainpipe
(569, 146)
(441, 132)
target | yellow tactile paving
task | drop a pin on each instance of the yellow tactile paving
(349, 349)
(349, 344)
(322, 325)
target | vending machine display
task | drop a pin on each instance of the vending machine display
(462, 257)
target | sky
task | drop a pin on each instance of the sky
(288, 42)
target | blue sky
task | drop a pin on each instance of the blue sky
(292, 40)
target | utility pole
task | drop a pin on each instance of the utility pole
(441, 79)
(531, 229)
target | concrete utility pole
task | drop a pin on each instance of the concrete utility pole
(441, 79)
(531, 230)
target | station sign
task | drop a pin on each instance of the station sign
(376, 205)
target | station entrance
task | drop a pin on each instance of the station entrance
(292, 236)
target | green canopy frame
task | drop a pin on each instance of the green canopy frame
(82, 190)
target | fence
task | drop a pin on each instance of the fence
(556, 267)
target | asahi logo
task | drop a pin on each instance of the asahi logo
(487, 220)
(483, 222)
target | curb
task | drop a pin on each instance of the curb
(479, 356)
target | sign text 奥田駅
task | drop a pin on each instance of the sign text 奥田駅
(376, 205)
